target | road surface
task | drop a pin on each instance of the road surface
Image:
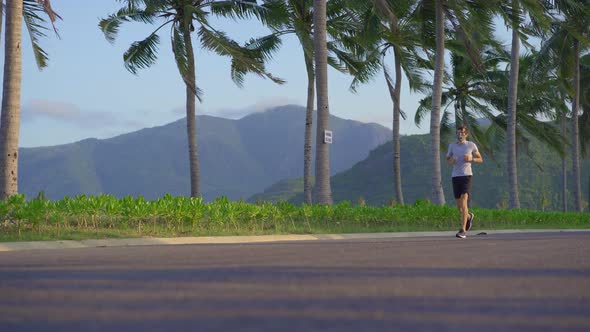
(499, 282)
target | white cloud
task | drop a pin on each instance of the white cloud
(50, 109)
(67, 113)
(260, 106)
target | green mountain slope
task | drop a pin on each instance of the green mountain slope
(371, 179)
(237, 157)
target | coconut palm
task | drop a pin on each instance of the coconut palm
(322, 188)
(585, 105)
(462, 17)
(186, 17)
(514, 12)
(10, 124)
(561, 115)
(296, 17)
(437, 194)
(570, 37)
(389, 28)
(16, 12)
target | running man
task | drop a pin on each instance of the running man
(461, 155)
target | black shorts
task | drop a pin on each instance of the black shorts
(461, 185)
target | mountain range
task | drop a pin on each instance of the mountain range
(238, 158)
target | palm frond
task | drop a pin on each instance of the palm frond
(36, 27)
(110, 25)
(182, 60)
(424, 108)
(446, 129)
(244, 60)
(266, 45)
(546, 132)
(46, 5)
(142, 54)
(243, 9)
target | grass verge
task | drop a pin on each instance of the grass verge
(103, 217)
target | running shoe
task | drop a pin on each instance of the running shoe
(461, 234)
(469, 221)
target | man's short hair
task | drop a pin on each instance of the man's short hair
(463, 128)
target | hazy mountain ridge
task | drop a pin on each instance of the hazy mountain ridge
(237, 157)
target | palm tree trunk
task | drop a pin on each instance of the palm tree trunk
(397, 174)
(307, 184)
(1, 19)
(437, 195)
(10, 118)
(191, 121)
(563, 166)
(323, 190)
(514, 202)
(575, 130)
(463, 107)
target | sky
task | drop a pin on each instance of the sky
(86, 92)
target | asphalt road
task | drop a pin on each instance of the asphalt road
(498, 282)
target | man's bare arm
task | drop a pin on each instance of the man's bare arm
(476, 158)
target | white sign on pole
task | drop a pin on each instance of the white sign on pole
(327, 136)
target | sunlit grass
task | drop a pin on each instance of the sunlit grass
(98, 217)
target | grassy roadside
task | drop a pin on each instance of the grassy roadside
(102, 217)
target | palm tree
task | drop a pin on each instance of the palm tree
(558, 94)
(513, 13)
(585, 105)
(16, 11)
(184, 16)
(437, 194)
(322, 188)
(389, 28)
(463, 17)
(10, 124)
(296, 17)
(570, 36)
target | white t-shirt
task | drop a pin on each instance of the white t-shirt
(457, 150)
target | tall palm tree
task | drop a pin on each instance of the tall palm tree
(16, 12)
(390, 29)
(558, 94)
(184, 16)
(585, 105)
(570, 37)
(322, 188)
(296, 17)
(462, 16)
(437, 194)
(561, 111)
(513, 12)
(10, 123)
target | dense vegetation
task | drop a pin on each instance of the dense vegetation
(107, 216)
(483, 82)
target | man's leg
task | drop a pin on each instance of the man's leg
(464, 210)
(459, 203)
